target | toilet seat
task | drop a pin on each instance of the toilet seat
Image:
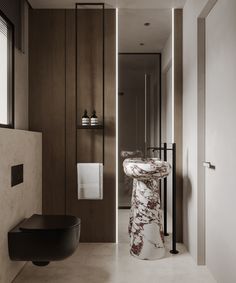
(49, 222)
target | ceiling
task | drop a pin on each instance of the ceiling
(132, 30)
(130, 4)
(132, 16)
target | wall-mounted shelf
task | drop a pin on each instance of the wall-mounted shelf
(89, 127)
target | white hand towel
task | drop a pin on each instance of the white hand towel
(90, 180)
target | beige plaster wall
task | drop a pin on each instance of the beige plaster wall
(17, 147)
(16, 203)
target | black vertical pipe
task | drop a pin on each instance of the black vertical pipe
(174, 251)
(165, 194)
(160, 114)
(160, 102)
(160, 186)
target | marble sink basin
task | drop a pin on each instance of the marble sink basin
(145, 224)
(146, 168)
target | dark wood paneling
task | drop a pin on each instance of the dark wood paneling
(89, 78)
(52, 110)
(47, 100)
(98, 217)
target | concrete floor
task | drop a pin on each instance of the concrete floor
(111, 263)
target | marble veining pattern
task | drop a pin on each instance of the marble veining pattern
(128, 182)
(145, 224)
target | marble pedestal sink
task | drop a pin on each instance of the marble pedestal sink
(146, 226)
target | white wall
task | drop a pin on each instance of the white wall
(191, 12)
(167, 53)
(166, 59)
(220, 120)
(220, 133)
(16, 203)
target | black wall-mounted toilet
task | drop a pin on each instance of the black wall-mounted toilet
(44, 238)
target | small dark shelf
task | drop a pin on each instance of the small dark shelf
(97, 127)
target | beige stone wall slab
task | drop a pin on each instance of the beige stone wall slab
(21, 201)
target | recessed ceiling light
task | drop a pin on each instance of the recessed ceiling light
(141, 44)
(147, 24)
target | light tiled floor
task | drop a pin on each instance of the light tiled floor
(111, 263)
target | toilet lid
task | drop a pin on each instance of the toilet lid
(49, 222)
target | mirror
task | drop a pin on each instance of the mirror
(144, 94)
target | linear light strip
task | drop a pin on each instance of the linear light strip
(117, 226)
(173, 73)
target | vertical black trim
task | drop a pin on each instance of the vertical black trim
(160, 102)
(174, 251)
(165, 194)
(12, 70)
(160, 115)
(76, 86)
(65, 111)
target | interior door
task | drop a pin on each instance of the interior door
(220, 149)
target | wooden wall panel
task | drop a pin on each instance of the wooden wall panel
(89, 78)
(47, 100)
(98, 216)
(52, 110)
